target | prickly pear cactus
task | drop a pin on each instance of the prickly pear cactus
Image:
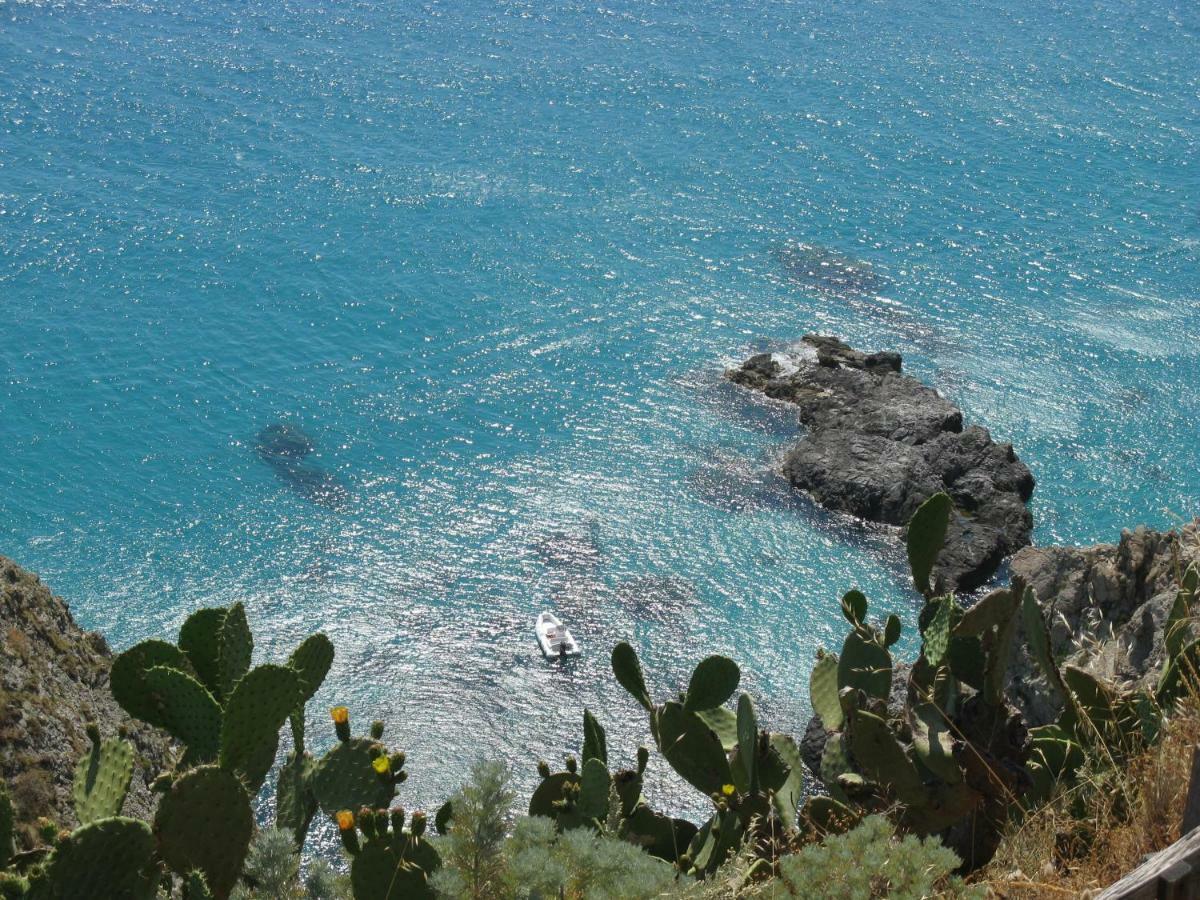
(684, 736)
(205, 823)
(556, 794)
(200, 640)
(594, 744)
(236, 648)
(823, 690)
(127, 678)
(111, 857)
(926, 535)
(657, 834)
(186, 710)
(379, 872)
(258, 707)
(295, 803)
(392, 863)
(101, 778)
(357, 772)
(312, 660)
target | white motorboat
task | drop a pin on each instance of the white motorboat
(554, 637)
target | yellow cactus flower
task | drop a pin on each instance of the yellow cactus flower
(340, 714)
(345, 820)
(381, 764)
(727, 790)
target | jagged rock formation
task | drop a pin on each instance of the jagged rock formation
(53, 679)
(880, 443)
(1106, 607)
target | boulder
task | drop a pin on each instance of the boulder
(880, 443)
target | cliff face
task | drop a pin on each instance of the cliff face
(1106, 605)
(53, 679)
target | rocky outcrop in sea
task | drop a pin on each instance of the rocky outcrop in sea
(53, 680)
(881, 442)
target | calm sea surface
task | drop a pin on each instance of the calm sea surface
(493, 257)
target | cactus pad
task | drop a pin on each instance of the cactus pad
(127, 678)
(926, 535)
(747, 732)
(933, 742)
(628, 672)
(594, 784)
(254, 713)
(550, 790)
(102, 780)
(111, 857)
(312, 660)
(937, 632)
(205, 822)
(379, 872)
(882, 759)
(657, 834)
(200, 640)
(865, 665)
(345, 779)
(854, 607)
(237, 646)
(782, 771)
(295, 804)
(594, 746)
(188, 711)
(823, 691)
(713, 682)
(692, 748)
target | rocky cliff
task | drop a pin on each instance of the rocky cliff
(53, 680)
(1106, 606)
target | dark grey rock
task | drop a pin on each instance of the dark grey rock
(880, 443)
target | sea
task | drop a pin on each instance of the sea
(491, 259)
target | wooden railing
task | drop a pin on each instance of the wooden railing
(1174, 873)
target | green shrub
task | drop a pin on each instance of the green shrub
(272, 872)
(473, 850)
(867, 862)
(580, 865)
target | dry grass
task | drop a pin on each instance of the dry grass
(1126, 815)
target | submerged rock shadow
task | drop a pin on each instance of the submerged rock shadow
(285, 447)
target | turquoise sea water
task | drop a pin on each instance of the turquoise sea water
(493, 257)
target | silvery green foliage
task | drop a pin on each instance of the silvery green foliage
(869, 862)
(473, 851)
(323, 883)
(272, 872)
(582, 865)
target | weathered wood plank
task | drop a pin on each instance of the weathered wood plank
(1150, 879)
(1191, 807)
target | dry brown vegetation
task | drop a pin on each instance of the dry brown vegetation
(1091, 836)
